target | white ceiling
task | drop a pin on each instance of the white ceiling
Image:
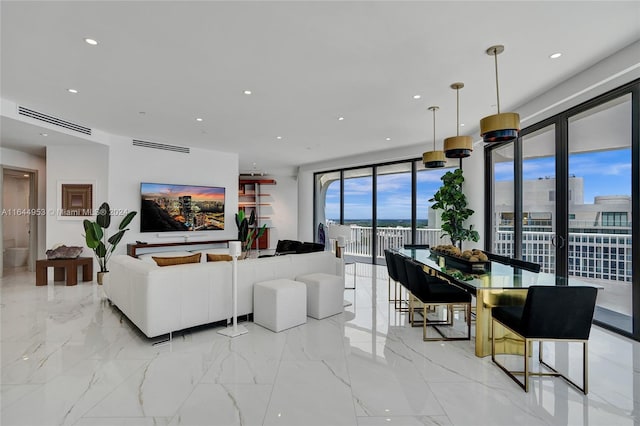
(306, 63)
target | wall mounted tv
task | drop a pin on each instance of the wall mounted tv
(171, 208)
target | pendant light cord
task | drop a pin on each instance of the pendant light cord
(495, 56)
(457, 111)
(434, 128)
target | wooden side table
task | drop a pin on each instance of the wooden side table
(62, 267)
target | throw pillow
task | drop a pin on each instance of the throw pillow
(169, 261)
(218, 257)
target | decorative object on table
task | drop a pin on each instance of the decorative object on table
(453, 203)
(247, 232)
(60, 251)
(466, 261)
(458, 146)
(235, 250)
(500, 127)
(97, 239)
(433, 159)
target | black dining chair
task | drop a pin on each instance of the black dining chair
(550, 313)
(498, 258)
(433, 291)
(393, 276)
(523, 264)
(416, 246)
(401, 273)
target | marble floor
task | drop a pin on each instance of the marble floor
(68, 357)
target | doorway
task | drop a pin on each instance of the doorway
(19, 219)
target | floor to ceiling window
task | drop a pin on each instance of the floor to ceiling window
(599, 214)
(574, 189)
(386, 205)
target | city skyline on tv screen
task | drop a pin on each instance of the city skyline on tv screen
(172, 207)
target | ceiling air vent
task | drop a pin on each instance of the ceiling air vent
(53, 120)
(155, 145)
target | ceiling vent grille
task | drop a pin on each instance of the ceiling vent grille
(163, 146)
(53, 120)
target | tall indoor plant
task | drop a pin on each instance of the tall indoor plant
(247, 232)
(453, 203)
(97, 239)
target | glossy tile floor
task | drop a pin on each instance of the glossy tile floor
(69, 358)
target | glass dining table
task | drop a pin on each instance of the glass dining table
(498, 285)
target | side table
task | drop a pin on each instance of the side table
(62, 267)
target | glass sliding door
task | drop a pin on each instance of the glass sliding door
(503, 211)
(358, 212)
(393, 207)
(600, 206)
(539, 241)
(428, 181)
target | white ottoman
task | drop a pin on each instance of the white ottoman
(325, 294)
(279, 304)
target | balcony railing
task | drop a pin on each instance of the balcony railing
(389, 238)
(596, 256)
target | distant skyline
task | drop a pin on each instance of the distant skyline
(604, 173)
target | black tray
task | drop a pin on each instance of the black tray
(462, 264)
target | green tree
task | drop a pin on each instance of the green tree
(453, 203)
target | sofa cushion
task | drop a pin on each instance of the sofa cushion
(180, 260)
(211, 257)
(220, 250)
(149, 256)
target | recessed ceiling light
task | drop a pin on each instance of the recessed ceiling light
(461, 124)
(25, 175)
(199, 119)
(91, 41)
(44, 134)
(416, 96)
(247, 92)
(387, 139)
(278, 137)
(340, 118)
(555, 55)
(72, 91)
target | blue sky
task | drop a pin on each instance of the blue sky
(604, 173)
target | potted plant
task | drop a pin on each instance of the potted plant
(453, 203)
(97, 239)
(247, 232)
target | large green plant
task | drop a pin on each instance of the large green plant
(95, 234)
(247, 233)
(453, 203)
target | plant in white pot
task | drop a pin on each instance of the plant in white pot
(97, 239)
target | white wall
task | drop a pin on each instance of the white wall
(74, 164)
(620, 68)
(284, 206)
(23, 161)
(130, 165)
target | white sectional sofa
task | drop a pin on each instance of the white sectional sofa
(160, 300)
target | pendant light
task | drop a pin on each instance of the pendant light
(500, 127)
(458, 146)
(433, 159)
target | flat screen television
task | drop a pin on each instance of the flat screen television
(170, 208)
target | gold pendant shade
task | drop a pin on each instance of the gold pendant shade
(433, 159)
(500, 127)
(458, 146)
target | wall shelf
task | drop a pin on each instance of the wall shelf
(252, 199)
